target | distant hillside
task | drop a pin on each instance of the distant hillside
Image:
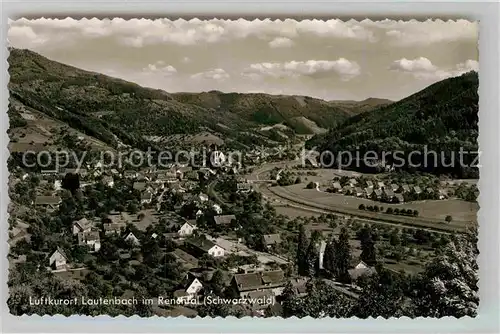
(302, 114)
(116, 111)
(443, 116)
(357, 107)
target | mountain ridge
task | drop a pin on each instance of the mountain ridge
(105, 107)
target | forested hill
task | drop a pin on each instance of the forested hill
(443, 116)
(113, 110)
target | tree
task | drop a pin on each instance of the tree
(329, 258)
(302, 251)
(217, 282)
(448, 286)
(448, 219)
(361, 207)
(383, 294)
(343, 256)
(312, 255)
(389, 211)
(368, 254)
(394, 239)
(310, 185)
(71, 182)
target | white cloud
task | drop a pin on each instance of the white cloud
(344, 68)
(421, 64)
(25, 35)
(422, 68)
(160, 67)
(216, 74)
(413, 33)
(281, 42)
(139, 32)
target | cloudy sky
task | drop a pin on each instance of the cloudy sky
(332, 59)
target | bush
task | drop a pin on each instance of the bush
(310, 185)
(448, 219)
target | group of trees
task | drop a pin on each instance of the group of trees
(447, 287)
(337, 257)
(391, 211)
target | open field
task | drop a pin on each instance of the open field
(435, 224)
(434, 209)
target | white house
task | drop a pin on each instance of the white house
(186, 229)
(216, 251)
(204, 246)
(132, 239)
(82, 225)
(361, 265)
(58, 259)
(194, 287)
(57, 185)
(90, 239)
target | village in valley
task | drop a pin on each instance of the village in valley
(233, 168)
(223, 230)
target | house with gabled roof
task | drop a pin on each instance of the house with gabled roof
(336, 185)
(394, 187)
(187, 228)
(132, 239)
(362, 269)
(406, 188)
(400, 198)
(90, 239)
(369, 184)
(246, 284)
(353, 182)
(417, 190)
(224, 219)
(368, 191)
(49, 202)
(58, 259)
(270, 240)
(381, 184)
(82, 225)
(389, 193)
(378, 193)
(200, 246)
(113, 228)
(359, 191)
(194, 287)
